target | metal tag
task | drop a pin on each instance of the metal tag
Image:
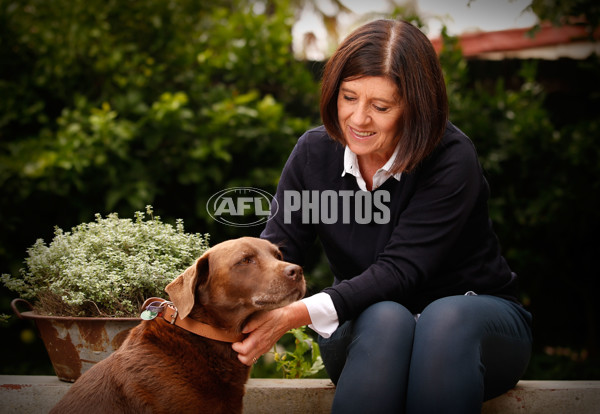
(148, 315)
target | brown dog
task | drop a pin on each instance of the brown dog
(164, 368)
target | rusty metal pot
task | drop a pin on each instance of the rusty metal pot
(75, 344)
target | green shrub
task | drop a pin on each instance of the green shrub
(304, 358)
(107, 267)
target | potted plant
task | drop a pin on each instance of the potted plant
(96, 276)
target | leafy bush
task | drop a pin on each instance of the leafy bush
(114, 105)
(304, 360)
(107, 267)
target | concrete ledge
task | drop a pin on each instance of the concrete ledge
(302, 396)
(548, 397)
(37, 394)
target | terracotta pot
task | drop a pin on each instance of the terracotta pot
(75, 344)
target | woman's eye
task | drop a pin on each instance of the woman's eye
(380, 109)
(349, 98)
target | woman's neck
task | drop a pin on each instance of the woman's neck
(369, 165)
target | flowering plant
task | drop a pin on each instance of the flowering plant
(107, 267)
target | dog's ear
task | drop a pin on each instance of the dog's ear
(182, 290)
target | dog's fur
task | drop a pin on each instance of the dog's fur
(162, 368)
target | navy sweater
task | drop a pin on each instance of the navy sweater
(432, 238)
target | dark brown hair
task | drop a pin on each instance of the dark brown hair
(401, 52)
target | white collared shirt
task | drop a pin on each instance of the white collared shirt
(380, 176)
(320, 306)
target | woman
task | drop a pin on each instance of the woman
(422, 316)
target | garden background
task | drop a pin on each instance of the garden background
(109, 106)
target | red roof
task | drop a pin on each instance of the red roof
(478, 43)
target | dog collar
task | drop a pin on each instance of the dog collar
(154, 307)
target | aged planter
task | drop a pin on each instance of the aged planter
(75, 344)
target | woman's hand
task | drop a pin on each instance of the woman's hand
(266, 328)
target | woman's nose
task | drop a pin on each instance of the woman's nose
(360, 116)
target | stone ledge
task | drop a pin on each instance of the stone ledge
(37, 394)
(548, 397)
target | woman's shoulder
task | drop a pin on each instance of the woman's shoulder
(455, 158)
(455, 146)
(317, 144)
(317, 136)
(455, 136)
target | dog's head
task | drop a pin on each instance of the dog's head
(234, 279)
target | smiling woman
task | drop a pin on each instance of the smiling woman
(428, 288)
(392, 66)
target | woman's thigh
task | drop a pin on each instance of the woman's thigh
(467, 349)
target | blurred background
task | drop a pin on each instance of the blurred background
(109, 106)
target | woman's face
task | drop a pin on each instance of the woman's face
(369, 114)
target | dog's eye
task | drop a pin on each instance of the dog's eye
(278, 255)
(246, 260)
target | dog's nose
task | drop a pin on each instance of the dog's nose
(294, 272)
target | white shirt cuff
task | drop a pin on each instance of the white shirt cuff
(322, 314)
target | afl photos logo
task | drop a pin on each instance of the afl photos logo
(241, 206)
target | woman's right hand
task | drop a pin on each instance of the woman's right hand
(265, 329)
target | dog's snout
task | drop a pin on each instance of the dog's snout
(293, 272)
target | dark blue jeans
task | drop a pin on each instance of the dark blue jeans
(461, 351)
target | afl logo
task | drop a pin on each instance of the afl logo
(242, 206)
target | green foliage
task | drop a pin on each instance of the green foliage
(568, 11)
(108, 106)
(135, 103)
(304, 360)
(564, 363)
(107, 267)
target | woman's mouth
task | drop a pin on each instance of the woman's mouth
(361, 134)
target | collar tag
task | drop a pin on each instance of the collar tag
(148, 315)
(152, 309)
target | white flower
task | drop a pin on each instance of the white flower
(109, 266)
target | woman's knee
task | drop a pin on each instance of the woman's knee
(448, 330)
(445, 314)
(387, 326)
(386, 316)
